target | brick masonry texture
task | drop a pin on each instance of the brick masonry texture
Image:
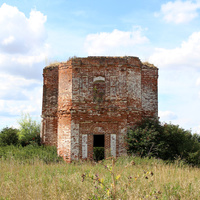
(91, 96)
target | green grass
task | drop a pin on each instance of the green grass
(30, 154)
(139, 179)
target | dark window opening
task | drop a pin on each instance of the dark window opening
(98, 147)
(98, 141)
(98, 91)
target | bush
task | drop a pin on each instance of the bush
(9, 136)
(98, 153)
(181, 143)
(167, 141)
(30, 154)
(145, 139)
(29, 131)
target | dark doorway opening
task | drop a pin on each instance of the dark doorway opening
(98, 141)
(98, 147)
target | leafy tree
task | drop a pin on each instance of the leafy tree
(181, 143)
(29, 131)
(145, 139)
(167, 141)
(9, 136)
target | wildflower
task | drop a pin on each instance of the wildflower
(117, 177)
(108, 192)
(101, 180)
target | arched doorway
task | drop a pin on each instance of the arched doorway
(98, 147)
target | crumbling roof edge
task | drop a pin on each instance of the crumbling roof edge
(147, 64)
(56, 64)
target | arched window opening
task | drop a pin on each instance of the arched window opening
(99, 89)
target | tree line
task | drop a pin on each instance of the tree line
(27, 133)
(149, 138)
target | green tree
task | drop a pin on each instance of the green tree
(165, 141)
(9, 136)
(29, 131)
(181, 143)
(145, 139)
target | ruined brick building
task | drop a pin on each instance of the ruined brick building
(94, 100)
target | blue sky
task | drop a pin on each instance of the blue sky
(34, 33)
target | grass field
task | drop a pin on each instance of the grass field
(134, 178)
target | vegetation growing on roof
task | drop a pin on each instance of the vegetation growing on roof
(52, 65)
(149, 64)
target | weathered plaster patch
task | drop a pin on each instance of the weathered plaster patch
(84, 146)
(74, 141)
(113, 144)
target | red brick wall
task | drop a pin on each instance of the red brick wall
(64, 107)
(149, 91)
(50, 105)
(101, 95)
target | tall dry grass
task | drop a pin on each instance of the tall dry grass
(139, 179)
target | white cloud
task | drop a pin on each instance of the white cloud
(116, 42)
(198, 82)
(18, 95)
(22, 57)
(179, 11)
(197, 129)
(18, 33)
(14, 88)
(167, 115)
(187, 55)
(22, 42)
(179, 82)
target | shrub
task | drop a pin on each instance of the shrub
(98, 153)
(145, 139)
(29, 131)
(167, 141)
(30, 154)
(9, 136)
(180, 142)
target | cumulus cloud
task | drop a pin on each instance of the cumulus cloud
(179, 82)
(116, 42)
(19, 95)
(22, 42)
(23, 50)
(12, 108)
(167, 115)
(14, 88)
(198, 82)
(20, 34)
(187, 55)
(179, 11)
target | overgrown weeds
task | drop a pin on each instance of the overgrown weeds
(29, 154)
(135, 178)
